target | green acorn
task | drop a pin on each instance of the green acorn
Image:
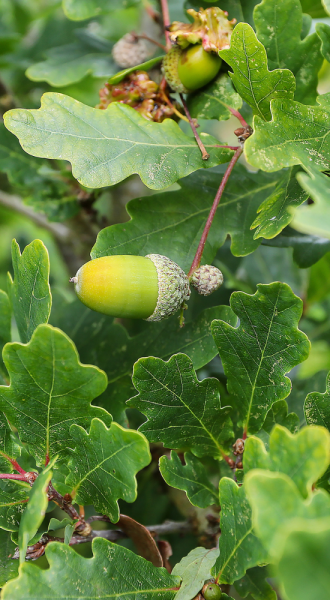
(211, 591)
(190, 69)
(151, 287)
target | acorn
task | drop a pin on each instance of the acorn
(211, 591)
(151, 287)
(207, 279)
(190, 69)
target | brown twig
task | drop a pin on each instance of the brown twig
(143, 36)
(166, 22)
(199, 252)
(205, 154)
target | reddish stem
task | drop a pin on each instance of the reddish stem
(238, 116)
(198, 255)
(13, 476)
(166, 22)
(13, 463)
(205, 154)
(244, 434)
(143, 36)
(225, 146)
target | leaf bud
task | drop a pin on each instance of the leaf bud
(130, 51)
(151, 287)
(206, 279)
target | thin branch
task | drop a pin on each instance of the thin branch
(60, 231)
(166, 22)
(65, 503)
(162, 529)
(143, 36)
(199, 252)
(205, 154)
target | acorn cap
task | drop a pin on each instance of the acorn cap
(151, 287)
(170, 70)
(206, 279)
(173, 287)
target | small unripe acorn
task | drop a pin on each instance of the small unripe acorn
(151, 287)
(207, 279)
(190, 69)
(130, 51)
(211, 591)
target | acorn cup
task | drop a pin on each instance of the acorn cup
(151, 287)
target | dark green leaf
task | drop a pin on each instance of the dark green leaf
(194, 569)
(317, 407)
(113, 400)
(323, 31)
(35, 510)
(254, 585)
(146, 66)
(213, 100)
(307, 249)
(276, 211)
(285, 48)
(314, 219)
(106, 344)
(79, 10)
(8, 565)
(182, 411)
(297, 134)
(303, 570)
(72, 62)
(50, 389)
(103, 465)
(13, 499)
(304, 457)
(29, 291)
(258, 353)
(106, 146)
(277, 504)
(191, 477)
(255, 84)
(242, 10)
(158, 220)
(9, 446)
(239, 548)
(72, 576)
(278, 414)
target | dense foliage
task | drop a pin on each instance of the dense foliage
(145, 459)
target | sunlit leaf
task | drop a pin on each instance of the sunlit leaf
(194, 570)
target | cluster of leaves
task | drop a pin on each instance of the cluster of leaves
(65, 421)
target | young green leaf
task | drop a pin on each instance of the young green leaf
(103, 465)
(9, 446)
(194, 569)
(8, 565)
(276, 211)
(29, 291)
(35, 510)
(254, 585)
(146, 66)
(276, 503)
(252, 79)
(191, 477)
(13, 499)
(285, 48)
(182, 411)
(323, 31)
(156, 220)
(239, 548)
(72, 576)
(314, 219)
(213, 100)
(304, 457)
(256, 355)
(106, 146)
(317, 407)
(50, 389)
(72, 62)
(296, 135)
(106, 344)
(303, 570)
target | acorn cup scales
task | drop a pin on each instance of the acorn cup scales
(151, 287)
